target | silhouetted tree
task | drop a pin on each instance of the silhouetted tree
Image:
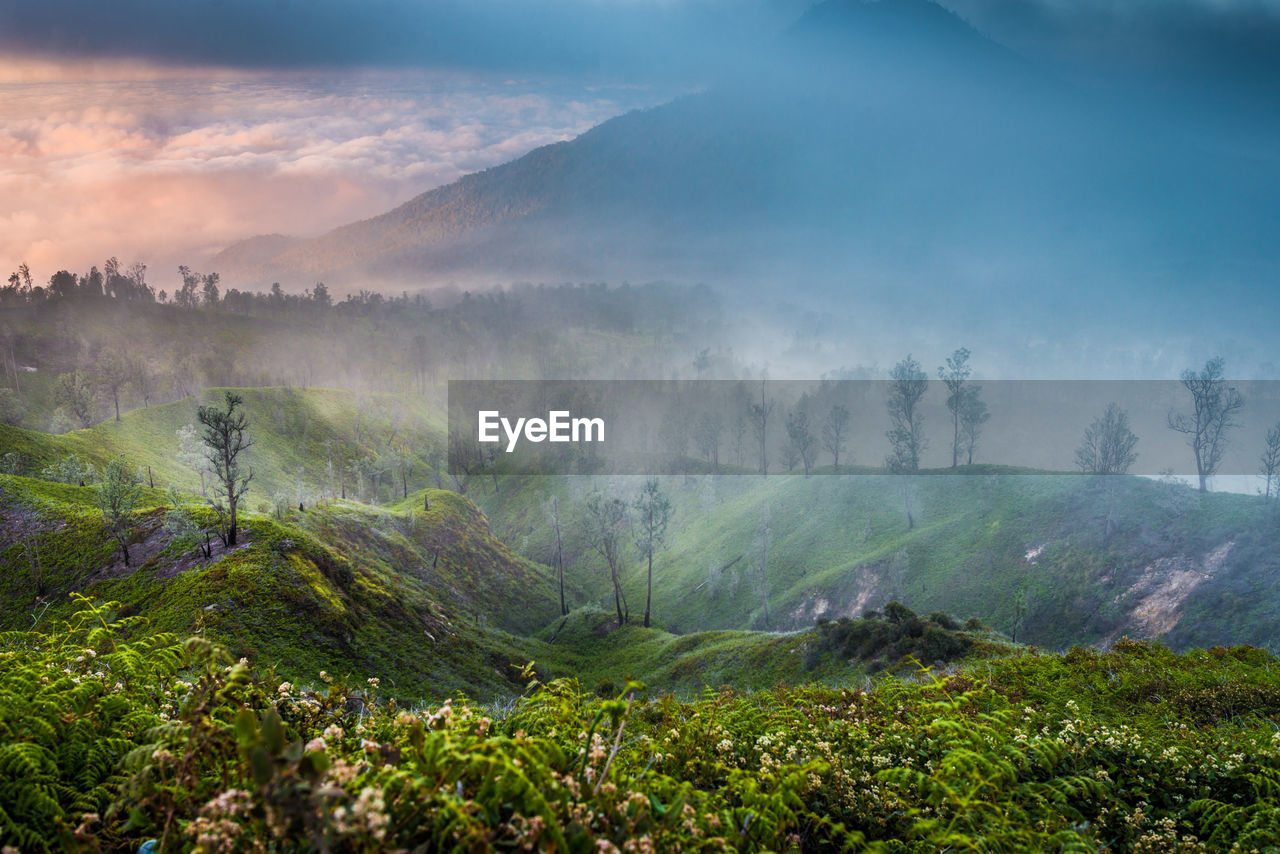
(1270, 459)
(759, 413)
(954, 374)
(973, 415)
(1214, 407)
(908, 383)
(1108, 444)
(706, 435)
(800, 437)
(834, 429)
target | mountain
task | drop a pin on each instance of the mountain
(880, 148)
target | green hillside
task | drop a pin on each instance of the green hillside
(342, 587)
(1051, 559)
(429, 599)
(307, 442)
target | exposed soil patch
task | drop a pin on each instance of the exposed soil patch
(18, 522)
(150, 542)
(1164, 586)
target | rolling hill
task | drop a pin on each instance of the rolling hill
(1053, 560)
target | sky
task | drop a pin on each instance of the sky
(169, 165)
(163, 131)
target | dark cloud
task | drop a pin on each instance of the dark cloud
(1188, 44)
(610, 36)
(1237, 40)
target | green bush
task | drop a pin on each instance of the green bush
(106, 743)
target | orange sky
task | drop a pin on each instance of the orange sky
(169, 165)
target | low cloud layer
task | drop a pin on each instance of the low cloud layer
(170, 168)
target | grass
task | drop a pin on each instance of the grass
(839, 545)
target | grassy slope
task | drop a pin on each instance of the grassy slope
(429, 601)
(296, 434)
(837, 545)
(342, 587)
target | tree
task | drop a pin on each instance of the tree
(186, 528)
(113, 373)
(191, 453)
(604, 521)
(654, 512)
(674, 435)
(142, 378)
(12, 409)
(209, 290)
(764, 535)
(954, 375)
(834, 428)
(225, 439)
(74, 394)
(1271, 459)
(973, 414)
(399, 457)
(1214, 408)
(553, 513)
(706, 435)
(908, 383)
(70, 470)
(117, 496)
(800, 437)
(186, 295)
(759, 413)
(1108, 444)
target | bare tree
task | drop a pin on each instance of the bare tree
(706, 435)
(653, 509)
(142, 379)
(760, 413)
(954, 374)
(800, 438)
(973, 415)
(113, 374)
(834, 429)
(1214, 408)
(553, 513)
(604, 522)
(1108, 444)
(399, 457)
(908, 384)
(225, 438)
(764, 536)
(1270, 459)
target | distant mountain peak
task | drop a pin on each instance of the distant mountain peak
(898, 31)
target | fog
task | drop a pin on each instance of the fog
(854, 182)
